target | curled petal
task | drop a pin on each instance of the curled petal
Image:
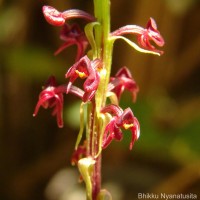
(111, 132)
(108, 134)
(53, 16)
(76, 91)
(128, 29)
(91, 82)
(154, 34)
(76, 13)
(135, 132)
(113, 109)
(57, 18)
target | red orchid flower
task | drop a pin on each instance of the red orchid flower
(72, 35)
(151, 33)
(57, 18)
(121, 119)
(50, 97)
(85, 69)
(123, 80)
(144, 36)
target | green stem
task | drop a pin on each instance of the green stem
(104, 49)
(104, 52)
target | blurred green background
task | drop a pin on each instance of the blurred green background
(33, 150)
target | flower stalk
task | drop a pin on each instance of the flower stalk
(104, 53)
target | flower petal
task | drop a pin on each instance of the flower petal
(53, 16)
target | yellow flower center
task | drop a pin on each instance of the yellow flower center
(127, 126)
(81, 74)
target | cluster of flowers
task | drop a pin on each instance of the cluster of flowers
(89, 70)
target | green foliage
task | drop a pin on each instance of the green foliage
(34, 63)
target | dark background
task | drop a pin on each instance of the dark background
(32, 150)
